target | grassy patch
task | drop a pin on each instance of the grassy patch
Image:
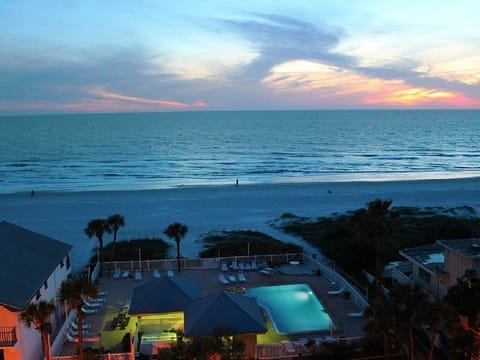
(238, 243)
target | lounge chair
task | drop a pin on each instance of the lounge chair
(125, 274)
(98, 300)
(86, 310)
(254, 265)
(92, 304)
(85, 326)
(117, 274)
(336, 292)
(156, 274)
(224, 267)
(170, 273)
(102, 293)
(248, 266)
(232, 278)
(138, 275)
(223, 279)
(241, 266)
(234, 265)
(241, 276)
(356, 314)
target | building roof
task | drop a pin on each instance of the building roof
(163, 295)
(430, 257)
(469, 248)
(233, 313)
(27, 259)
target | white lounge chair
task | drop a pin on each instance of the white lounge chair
(336, 292)
(86, 310)
(356, 314)
(232, 278)
(241, 266)
(156, 274)
(85, 326)
(102, 293)
(92, 305)
(223, 279)
(170, 273)
(125, 274)
(117, 274)
(234, 265)
(248, 266)
(241, 277)
(138, 275)
(254, 265)
(224, 267)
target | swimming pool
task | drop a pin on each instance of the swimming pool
(292, 309)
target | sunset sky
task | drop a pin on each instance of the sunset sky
(60, 56)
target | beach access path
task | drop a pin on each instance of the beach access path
(64, 215)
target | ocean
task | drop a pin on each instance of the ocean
(166, 150)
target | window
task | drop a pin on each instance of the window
(424, 276)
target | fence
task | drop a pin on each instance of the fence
(109, 356)
(332, 275)
(197, 264)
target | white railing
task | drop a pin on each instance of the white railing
(197, 264)
(330, 274)
(109, 356)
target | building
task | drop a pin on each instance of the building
(438, 266)
(32, 268)
(170, 303)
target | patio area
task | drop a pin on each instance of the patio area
(119, 293)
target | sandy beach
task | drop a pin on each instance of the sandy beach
(204, 209)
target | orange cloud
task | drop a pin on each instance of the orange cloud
(100, 92)
(329, 82)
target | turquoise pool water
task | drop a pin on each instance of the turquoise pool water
(292, 309)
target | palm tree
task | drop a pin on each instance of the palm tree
(72, 292)
(114, 222)
(38, 315)
(176, 231)
(436, 315)
(376, 223)
(409, 303)
(97, 228)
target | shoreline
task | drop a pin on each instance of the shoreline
(64, 215)
(278, 181)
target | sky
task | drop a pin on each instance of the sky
(68, 56)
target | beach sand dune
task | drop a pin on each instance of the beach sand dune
(203, 209)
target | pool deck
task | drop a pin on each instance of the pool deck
(120, 292)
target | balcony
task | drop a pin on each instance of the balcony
(8, 336)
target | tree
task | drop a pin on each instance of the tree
(72, 292)
(114, 222)
(376, 223)
(177, 232)
(436, 315)
(38, 315)
(464, 300)
(408, 302)
(97, 228)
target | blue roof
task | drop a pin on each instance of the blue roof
(27, 259)
(163, 295)
(224, 311)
